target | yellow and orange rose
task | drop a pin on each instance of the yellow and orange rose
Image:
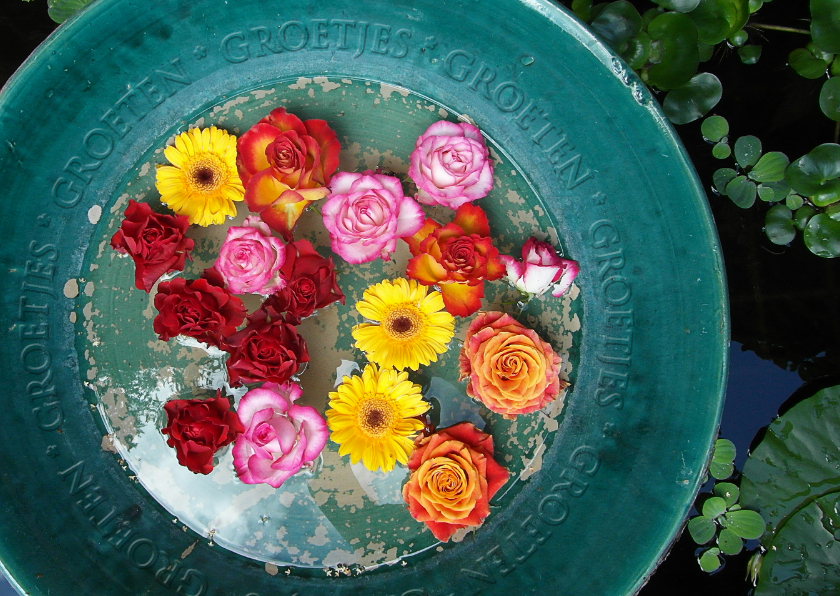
(507, 366)
(453, 477)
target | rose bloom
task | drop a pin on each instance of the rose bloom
(267, 349)
(507, 366)
(453, 477)
(197, 428)
(457, 257)
(285, 163)
(250, 259)
(280, 436)
(196, 308)
(450, 165)
(366, 213)
(541, 268)
(155, 242)
(310, 283)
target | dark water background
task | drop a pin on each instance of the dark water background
(783, 300)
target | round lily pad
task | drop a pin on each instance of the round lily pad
(694, 99)
(674, 56)
(830, 98)
(718, 19)
(822, 236)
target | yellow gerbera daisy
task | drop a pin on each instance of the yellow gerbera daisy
(410, 327)
(202, 182)
(372, 417)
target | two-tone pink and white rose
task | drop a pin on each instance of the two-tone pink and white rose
(540, 269)
(280, 436)
(366, 213)
(450, 165)
(251, 258)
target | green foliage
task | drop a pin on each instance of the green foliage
(693, 100)
(830, 98)
(822, 236)
(825, 25)
(791, 479)
(674, 57)
(582, 8)
(723, 456)
(817, 175)
(61, 10)
(749, 54)
(616, 23)
(678, 5)
(747, 151)
(778, 224)
(718, 19)
(714, 128)
(809, 62)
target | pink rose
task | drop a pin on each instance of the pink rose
(540, 269)
(250, 259)
(450, 165)
(366, 213)
(280, 437)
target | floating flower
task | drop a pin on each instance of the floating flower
(251, 258)
(373, 417)
(453, 477)
(457, 257)
(285, 164)
(409, 327)
(541, 268)
(450, 165)
(507, 366)
(267, 349)
(196, 308)
(310, 283)
(279, 436)
(155, 242)
(202, 182)
(366, 213)
(197, 428)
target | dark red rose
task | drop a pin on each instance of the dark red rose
(267, 350)
(196, 308)
(310, 283)
(197, 428)
(156, 243)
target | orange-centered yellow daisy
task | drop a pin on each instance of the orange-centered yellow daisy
(202, 182)
(373, 417)
(409, 326)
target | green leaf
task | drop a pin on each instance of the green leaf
(833, 211)
(745, 523)
(678, 5)
(721, 151)
(693, 100)
(830, 98)
(770, 167)
(742, 191)
(729, 542)
(724, 451)
(753, 567)
(637, 51)
(714, 507)
(806, 65)
(834, 69)
(739, 39)
(778, 225)
(728, 492)
(722, 177)
(617, 23)
(780, 189)
(755, 5)
(794, 202)
(822, 236)
(816, 172)
(583, 9)
(710, 561)
(714, 128)
(674, 56)
(747, 151)
(802, 216)
(765, 193)
(825, 25)
(749, 54)
(705, 52)
(702, 529)
(61, 10)
(718, 19)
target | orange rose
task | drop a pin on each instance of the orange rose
(507, 366)
(453, 476)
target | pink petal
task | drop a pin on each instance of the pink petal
(566, 279)
(259, 399)
(410, 218)
(313, 427)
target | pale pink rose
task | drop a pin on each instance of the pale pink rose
(366, 213)
(280, 437)
(450, 165)
(250, 259)
(541, 268)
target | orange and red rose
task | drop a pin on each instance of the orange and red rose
(457, 257)
(453, 477)
(507, 366)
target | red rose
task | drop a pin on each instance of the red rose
(267, 350)
(197, 428)
(196, 308)
(156, 243)
(457, 257)
(310, 283)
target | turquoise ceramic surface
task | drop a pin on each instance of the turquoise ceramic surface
(92, 498)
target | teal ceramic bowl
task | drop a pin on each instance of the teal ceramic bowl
(601, 480)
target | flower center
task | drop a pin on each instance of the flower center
(376, 416)
(206, 174)
(403, 323)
